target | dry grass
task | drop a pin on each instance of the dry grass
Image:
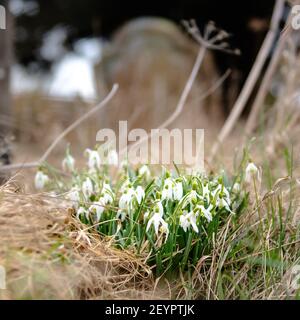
(50, 255)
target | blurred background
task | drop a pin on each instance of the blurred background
(59, 58)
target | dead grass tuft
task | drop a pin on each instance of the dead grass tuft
(50, 255)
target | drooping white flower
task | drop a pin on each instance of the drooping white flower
(107, 193)
(146, 216)
(159, 207)
(178, 191)
(140, 194)
(121, 215)
(144, 171)
(94, 160)
(224, 203)
(68, 164)
(193, 196)
(206, 212)
(184, 222)
(82, 212)
(164, 229)
(252, 172)
(87, 188)
(188, 219)
(207, 192)
(157, 220)
(125, 203)
(236, 188)
(98, 209)
(40, 180)
(74, 196)
(225, 193)
(113, 158)
(167, 192)
(126, 198)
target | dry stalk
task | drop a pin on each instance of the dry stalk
(259, 100)
(251, 80)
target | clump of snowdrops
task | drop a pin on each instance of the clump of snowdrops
(170, 218)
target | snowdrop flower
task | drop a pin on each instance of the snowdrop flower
(87, 188)
(188, 219)
(126, 198)
(140, 194)
(226, 193)
(167, 192)
(224, 203)
(144, 171)
(121, 215)
(124, 164)
(74, 196)
(193, 196)
(68, 164)
(125, 203)
(178, 191)
(157, 220)
(98, 209)
(252, 172)
(82, 212)
(184, 222)
(40, 180)
(164, 229)
(207, 192)
(107, 193)
(94, 160)
(146, 216)
(236, 188)
(206, 212)
(113, 158)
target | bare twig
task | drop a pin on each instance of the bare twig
(259, 100)
(74, 125)
(252, 78)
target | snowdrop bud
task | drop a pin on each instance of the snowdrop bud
(40, 180)
(178, 191)
(74, 196)
(193, 196)
(236, 188)
(82, 212)
(113, 158)
(252, 172)
(167, 192)
(157, 219)
(87, 188)
(97, 208)
(183, 221)
(68, 163)
(124, 164)
(140, 194)
(144, 171)
(107, 194)
(94, 160)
